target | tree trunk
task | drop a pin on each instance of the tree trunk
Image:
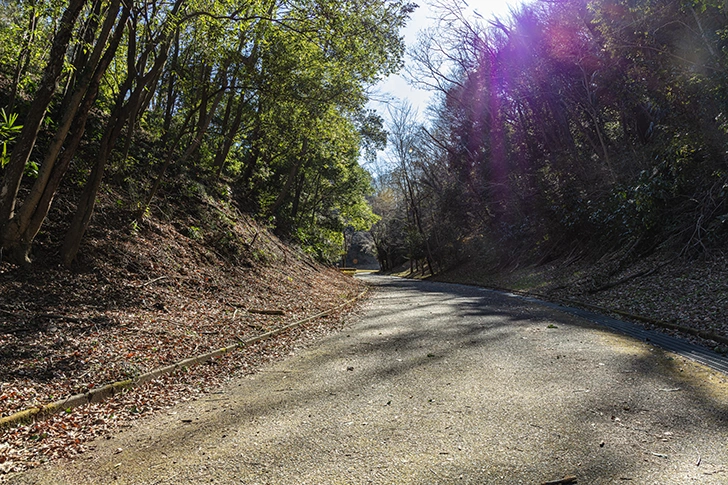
(201, 130)
(292, 174)
(80, 53)
(118, 120)
(85, 207)
(24, 58)
(171, 91)
(297, 196)
(31, 125)
(254, 154)
(418, 220)
(24, 227)
(224, 151)
(88, 75)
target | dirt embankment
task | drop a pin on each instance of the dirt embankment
(145, 295)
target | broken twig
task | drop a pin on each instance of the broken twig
(563, 481)
(152, 281)
(266, 312)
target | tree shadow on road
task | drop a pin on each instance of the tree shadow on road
(451, 384)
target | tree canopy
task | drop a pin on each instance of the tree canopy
(266, 97)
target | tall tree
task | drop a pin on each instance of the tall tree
(240, 90)
(32, 121)
(25, 224)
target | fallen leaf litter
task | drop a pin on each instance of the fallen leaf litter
(64, 333)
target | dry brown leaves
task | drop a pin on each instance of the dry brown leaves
(141, 301)
(691, 293)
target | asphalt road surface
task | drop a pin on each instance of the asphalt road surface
(438, 384)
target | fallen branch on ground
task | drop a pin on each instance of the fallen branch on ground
(563, 481)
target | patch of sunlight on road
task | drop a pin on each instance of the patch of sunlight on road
(711, 383)
(626, 345)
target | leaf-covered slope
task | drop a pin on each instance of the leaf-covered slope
(676, 291)
(144, 295)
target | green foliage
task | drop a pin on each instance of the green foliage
(26, 29)
(195, 233)
(264, 100)
(31, 170)
(8, 131)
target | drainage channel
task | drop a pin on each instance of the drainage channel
(672, 344)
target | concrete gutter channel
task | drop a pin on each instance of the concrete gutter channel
(109, 390)
(672, 344)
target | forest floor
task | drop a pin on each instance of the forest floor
(660, 291)
(143, 296)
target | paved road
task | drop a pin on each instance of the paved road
(439, 384)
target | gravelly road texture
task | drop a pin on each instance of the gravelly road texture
(438, 384)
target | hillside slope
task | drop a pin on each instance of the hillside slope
(194, 276)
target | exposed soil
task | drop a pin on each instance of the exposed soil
(143, 296)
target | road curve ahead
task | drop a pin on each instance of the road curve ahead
(439, 384)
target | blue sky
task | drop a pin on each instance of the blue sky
(396, 85)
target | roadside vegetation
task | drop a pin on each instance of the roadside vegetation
(262, 101)
(201, 277)
(174, 176)
(577, 148)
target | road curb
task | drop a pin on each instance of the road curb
(599, 315)
(655, 322)
(107, 391)
(605, 311)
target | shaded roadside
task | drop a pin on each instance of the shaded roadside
(439, 384)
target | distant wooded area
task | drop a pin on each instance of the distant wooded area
(260, 103)
(572, 127)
